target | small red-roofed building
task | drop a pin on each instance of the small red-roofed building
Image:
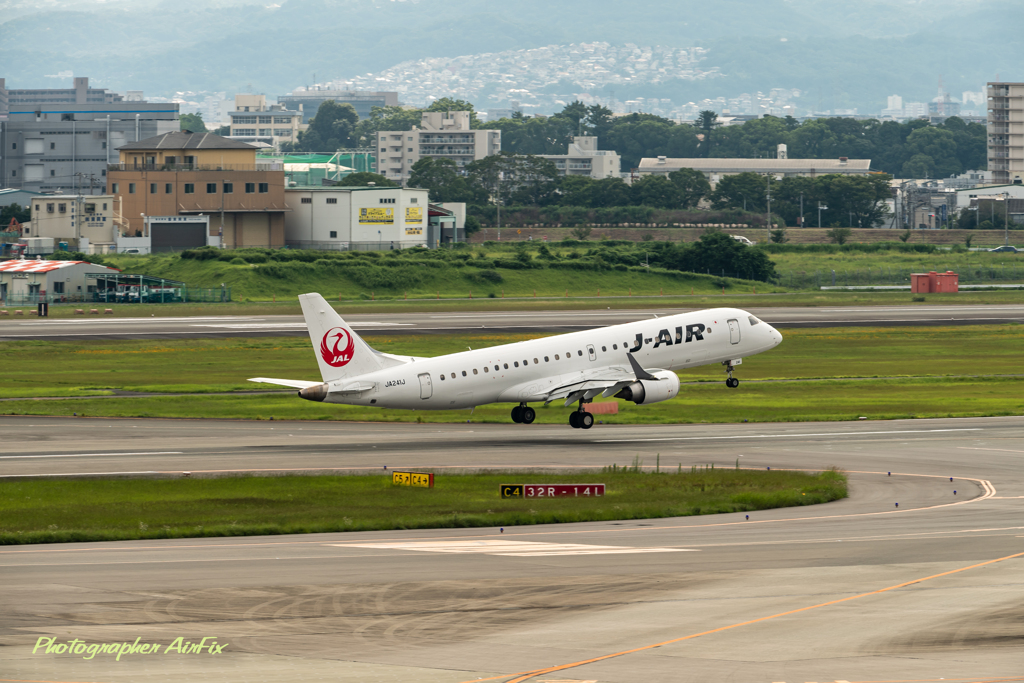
(27, 282)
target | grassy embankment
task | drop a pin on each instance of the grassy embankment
(106, 510)
(815, 374)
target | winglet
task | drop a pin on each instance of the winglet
(639, 371)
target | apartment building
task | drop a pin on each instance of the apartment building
(443, 135)
(1006, 132)
(198, 174)
(584, 158)
(308, 101)
(715, 169)
(254, 121)
(61, 140)
(79, 93)
(85, 222)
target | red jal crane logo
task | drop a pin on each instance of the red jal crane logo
(336, 347)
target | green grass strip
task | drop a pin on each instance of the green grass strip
(123, 509)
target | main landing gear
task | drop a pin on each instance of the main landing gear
(731, 382)
(523, 414)
(581, 419)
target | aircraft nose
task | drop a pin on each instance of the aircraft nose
(776, 335)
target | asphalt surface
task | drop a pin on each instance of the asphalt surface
(506, 322)
(856, 590)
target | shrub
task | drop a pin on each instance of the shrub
(492, 276)
(238, 261)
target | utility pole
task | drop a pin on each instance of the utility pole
(769, 197)
(820, 208)
(801, 209)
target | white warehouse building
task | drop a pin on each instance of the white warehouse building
(356, 218)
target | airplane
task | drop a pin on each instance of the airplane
(634, 362)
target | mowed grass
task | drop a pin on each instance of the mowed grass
(766, 401)
(57, 511)
(59, 368)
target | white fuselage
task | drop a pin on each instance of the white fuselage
(527, 371)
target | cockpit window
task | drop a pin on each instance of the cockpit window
(753, 320)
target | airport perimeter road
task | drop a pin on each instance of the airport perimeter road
(856, 590)
(510, 322)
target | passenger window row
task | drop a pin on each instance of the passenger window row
(536, 361)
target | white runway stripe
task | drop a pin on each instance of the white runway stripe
(86, 455)
(510, 548)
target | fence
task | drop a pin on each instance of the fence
(178, 295)
(896, 276)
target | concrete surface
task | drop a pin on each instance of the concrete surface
(377, 606)
(509, 322)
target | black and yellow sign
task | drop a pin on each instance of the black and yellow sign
(511, 490)
(421, 479)
(413, 231)
(377, 216)
(414, 214)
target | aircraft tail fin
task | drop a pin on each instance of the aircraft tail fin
(339, 351)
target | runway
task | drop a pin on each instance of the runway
(856, 590)
(499, 322)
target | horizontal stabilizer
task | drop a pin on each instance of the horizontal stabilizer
(294, 383)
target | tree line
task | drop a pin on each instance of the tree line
(913, 149)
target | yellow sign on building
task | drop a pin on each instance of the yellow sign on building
(377, 216)
(414, 214)
(413, 231)
(422, 479)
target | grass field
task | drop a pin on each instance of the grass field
(411, 275)
(815, 374)
(106, 510)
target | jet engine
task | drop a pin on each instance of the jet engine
(317, 392)
(647, 391)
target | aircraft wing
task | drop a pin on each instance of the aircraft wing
(606, 381)
(296, 383)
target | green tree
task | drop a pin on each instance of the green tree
(20, 213)
(192, 122)
(332, 128)
(691, 186)
(385, 118)
(716, 253)
(223, 131)
(839, 235)
(364, 178)
(937, 144)
(442, 178)
(707, 120)
(515, 179)
(739, 190)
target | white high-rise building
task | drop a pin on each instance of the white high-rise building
(441, 134)
(1006, 132)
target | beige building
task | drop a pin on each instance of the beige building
(356, 218)
(443, 135)
(199, 174)
(85, 222)
(584, 158)
(715, 169)
(1006, 132)
(254, 121)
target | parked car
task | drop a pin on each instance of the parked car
(1009, 250)
(743, 240)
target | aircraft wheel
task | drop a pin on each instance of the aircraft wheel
(585, 420)
(574, 420)
(517, 414)
(527, 415)
(732, 382)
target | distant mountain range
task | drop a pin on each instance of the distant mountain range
(842, 54)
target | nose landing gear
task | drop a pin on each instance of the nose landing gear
(731, 382)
